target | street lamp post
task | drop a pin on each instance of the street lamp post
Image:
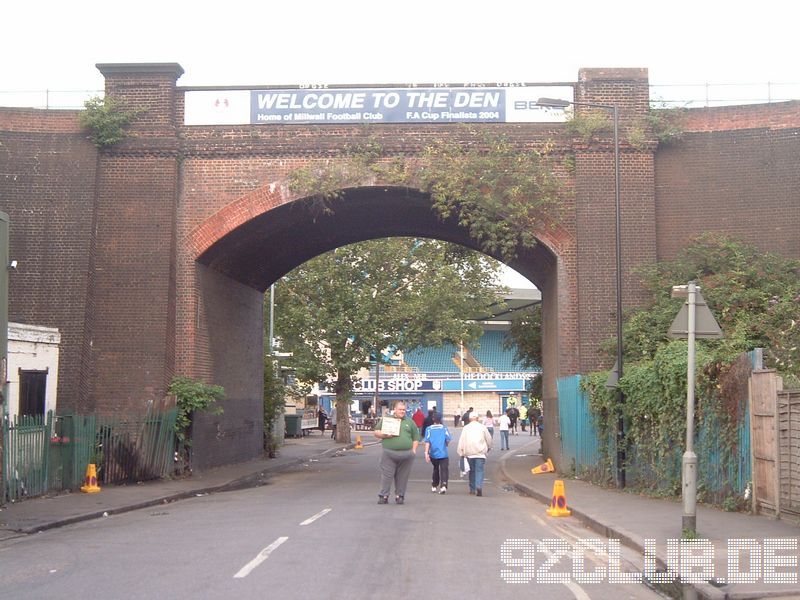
(557, 103)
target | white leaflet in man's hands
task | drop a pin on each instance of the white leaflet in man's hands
(390, 426)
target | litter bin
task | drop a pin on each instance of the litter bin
(293, 425)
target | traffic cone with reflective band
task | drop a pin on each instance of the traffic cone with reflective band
(545, 467)
(91, 486)
(358, 445)
(558, 505)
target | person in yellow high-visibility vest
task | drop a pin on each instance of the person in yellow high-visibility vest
(523, 415)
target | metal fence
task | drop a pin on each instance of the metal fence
(686, 95)
(723, 470)
(48, 453)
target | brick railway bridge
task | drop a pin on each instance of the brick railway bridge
(152, 256)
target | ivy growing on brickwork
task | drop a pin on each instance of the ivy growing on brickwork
(755, 297)
(191, 397)
(107, 120)
(500, 193)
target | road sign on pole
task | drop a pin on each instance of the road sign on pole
(705, 325)
(694, 320)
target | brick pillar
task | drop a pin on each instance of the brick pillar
(129, 355)
(628, 90)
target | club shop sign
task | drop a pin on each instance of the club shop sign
(431, 104)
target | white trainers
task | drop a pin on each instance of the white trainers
(433, 489)
(443, 489)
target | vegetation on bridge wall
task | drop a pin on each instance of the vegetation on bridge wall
(500, 193)
(756, 300)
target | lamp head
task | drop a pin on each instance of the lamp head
(553, 102)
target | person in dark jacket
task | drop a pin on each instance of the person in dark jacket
(427, 422)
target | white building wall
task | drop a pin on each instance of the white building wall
(32, 348)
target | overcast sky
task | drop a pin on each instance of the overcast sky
(55, 45)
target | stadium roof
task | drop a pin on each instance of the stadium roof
(516, 299)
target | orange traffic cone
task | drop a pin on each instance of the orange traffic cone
(558, 505)
(358, 445)
(91, 486)
(545, 467)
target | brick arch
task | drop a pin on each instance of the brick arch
(231, 216)
(236, 253)
(210, 241)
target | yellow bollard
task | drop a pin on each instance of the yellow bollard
(91, 486)
(545, 467)
(359, 445)
(558, 505)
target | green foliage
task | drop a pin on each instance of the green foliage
(754, 296)
(525, 337)
(342, 308)
(689, 534)
(193, 396)
(666, 124)
(274, 401)
(501, 194)
(637, 135)
(589, 125)
(107, 120)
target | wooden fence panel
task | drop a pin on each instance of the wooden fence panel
(764, 441)
(789, 447)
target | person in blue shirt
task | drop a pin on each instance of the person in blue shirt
(437, 437)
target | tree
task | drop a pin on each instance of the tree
(525, 339)
(340, 308)
(755, 297)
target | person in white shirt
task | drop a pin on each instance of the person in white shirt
(475, 443)
(504, 424)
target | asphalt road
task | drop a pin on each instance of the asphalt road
(318, 532)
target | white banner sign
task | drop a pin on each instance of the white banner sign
(469, 104)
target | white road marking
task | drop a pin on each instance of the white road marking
(573, 587)
(262, 556)
(576, 590)
(321, 513)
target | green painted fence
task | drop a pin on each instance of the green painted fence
(722, 472)
(48, 453)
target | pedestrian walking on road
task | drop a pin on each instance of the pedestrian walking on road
(437, 437)
(465, 417)
(333, 422)
(475, 443)
(523, 416)
(418, 418)
(427, 422)
(397, 456)
(488, 422)
(456, 416)
(321, 418)
(504, 423)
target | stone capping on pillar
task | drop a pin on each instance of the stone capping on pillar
(612, 74)
(173, 69)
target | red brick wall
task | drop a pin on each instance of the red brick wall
(47, 187)
(743, 182)
(135, 305)
(778, 115)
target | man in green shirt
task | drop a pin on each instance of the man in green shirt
(398, 455)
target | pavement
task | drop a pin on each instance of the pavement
(621, 515)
